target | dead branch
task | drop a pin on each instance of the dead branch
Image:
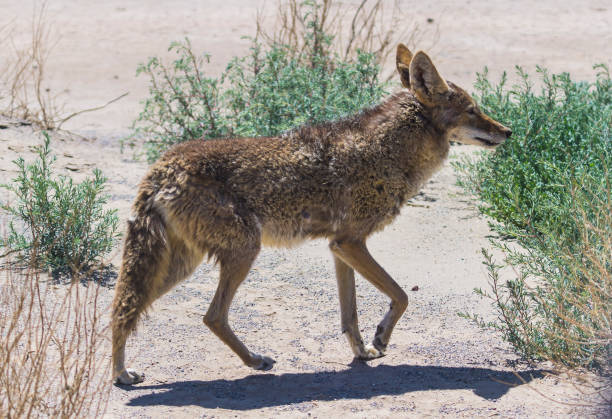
(97, 108)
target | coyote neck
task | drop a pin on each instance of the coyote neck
(397, 135)
(403, 124)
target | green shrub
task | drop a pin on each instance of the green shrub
(183, 103)
(271, 92)
(62, 225)
(548, 191)
(272, 89)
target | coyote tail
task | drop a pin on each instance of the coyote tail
(145, 263)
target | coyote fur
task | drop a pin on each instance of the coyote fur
(341, 180)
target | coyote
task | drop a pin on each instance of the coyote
(341, 180)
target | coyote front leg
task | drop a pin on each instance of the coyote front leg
(356, 255)
(348, 311)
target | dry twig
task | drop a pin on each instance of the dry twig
(52, 346)
(370, 25)
(24, 93)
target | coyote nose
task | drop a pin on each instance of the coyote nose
(508, 133)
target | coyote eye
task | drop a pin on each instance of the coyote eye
(471, 110)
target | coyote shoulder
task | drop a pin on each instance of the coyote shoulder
(341, 180)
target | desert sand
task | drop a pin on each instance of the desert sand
(438, 364)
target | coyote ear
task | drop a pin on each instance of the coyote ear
(402, 62)
(425, 81)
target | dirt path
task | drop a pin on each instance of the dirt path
(437, 364)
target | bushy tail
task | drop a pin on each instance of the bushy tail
(145, 261)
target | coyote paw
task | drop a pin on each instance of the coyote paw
(129, 377)
(371, 352)
(377, 343)
(265, 363)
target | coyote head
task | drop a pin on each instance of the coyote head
(451, 109)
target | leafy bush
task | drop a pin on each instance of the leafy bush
(548, 191)
(286, 92)
(66, 226)
(560, 136)
(270, 90)
(183, 102)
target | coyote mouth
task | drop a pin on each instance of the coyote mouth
(487, 141)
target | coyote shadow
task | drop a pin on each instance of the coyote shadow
(358, 382)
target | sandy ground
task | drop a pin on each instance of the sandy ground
(438, 364)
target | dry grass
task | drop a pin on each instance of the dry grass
(375, 26)
(25, 94)
(24, 91)
(590, 272)
(52, 348)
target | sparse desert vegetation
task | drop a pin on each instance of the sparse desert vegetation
(546, 193)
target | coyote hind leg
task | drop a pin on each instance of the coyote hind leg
(153, 262)
(234, 267)
(356, 255)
